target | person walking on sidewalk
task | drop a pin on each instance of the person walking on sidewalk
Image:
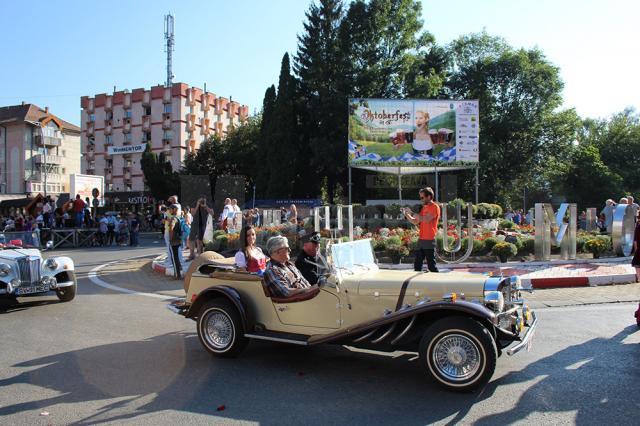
(175, 239)
(427, 220)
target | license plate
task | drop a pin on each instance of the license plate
(30, 290)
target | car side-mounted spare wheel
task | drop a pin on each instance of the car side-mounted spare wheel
(459, 353)
(220, 328)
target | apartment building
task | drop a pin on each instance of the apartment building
(25, 131)
(173, 121)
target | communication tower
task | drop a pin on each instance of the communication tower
(170, 41)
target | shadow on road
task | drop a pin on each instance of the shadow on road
(271, 383)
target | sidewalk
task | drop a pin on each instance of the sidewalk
(140, 276)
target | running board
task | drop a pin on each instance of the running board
(276, 339)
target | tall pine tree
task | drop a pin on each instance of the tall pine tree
(318, 65)
(283, 148)
(266, 142)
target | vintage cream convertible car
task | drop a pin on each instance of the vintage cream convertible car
(458, 323)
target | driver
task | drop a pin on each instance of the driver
(281, 276)
(309, 256)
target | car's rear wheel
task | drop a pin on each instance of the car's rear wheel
(459, 353)
(67, 294)
(220, 329)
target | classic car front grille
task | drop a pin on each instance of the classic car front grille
(29, 270)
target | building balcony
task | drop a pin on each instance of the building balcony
(108, 105)
(108, 129)
(127, 101)
(126, 127)
(51, 177)
(166, 98)
(166, 122)
(146, 98)
(90, 128)
(90, 106)
(50, 159)
(127, 175)
(107, 174)
(48, 140)
(146, 123)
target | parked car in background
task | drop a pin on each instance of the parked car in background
(24, 272)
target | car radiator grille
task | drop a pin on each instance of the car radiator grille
(29, 270)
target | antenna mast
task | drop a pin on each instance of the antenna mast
(169, 38)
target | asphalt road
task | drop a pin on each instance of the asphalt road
(110, 357)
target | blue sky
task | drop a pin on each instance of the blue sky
(56, 51)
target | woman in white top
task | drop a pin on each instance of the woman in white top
(422, 143)
(250, 257)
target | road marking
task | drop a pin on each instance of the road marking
(93, 276)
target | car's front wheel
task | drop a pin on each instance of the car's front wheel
(459, 353)
(220, 329)
(67, 294)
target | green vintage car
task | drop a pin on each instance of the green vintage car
(458, 323)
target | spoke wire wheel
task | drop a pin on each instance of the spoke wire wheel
(218, 329)
(459, 353)
(456, 356)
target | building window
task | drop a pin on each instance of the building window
(64, 153)
(168, 135)
(92, 118)
(108, 140)
(127, 113)
(167, 108)
(146, 137)
(147, 110)
(127, 137)
(109, 115)
(92, 141)
(109, 163)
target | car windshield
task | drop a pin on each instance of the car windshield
(354, 256)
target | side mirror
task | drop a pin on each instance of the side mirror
(49, 245)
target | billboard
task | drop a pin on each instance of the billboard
(128, 149)
(389, 132)
(90, 186)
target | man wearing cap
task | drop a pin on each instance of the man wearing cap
(309, 256)
(281, 276)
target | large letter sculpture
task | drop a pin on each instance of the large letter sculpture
(457, 244)
(623, 227)
(550, 227)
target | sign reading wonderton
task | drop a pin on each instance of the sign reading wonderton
(129, 149)
(390, 132)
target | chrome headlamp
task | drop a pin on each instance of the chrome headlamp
(4, 269)
(50, 263)
(494, 300)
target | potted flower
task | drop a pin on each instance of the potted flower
(396, 252)
(595, 246)
(504, 250)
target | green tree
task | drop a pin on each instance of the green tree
(587, 176)
(159, 176)
(265, 142)
(519, 92)
(318, 64)
(284, 144)
(618, 141)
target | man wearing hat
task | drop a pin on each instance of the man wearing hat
(281, 276)
(308, 259)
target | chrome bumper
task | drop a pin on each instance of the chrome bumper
(177, 307)
(526, 339)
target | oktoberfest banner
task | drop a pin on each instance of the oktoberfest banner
(388, 132)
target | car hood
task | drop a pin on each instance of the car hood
(13, 254)
(386, 282)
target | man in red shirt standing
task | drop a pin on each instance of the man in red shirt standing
(78, 210)
(427, 220)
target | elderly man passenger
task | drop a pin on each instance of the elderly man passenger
(281, 276)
